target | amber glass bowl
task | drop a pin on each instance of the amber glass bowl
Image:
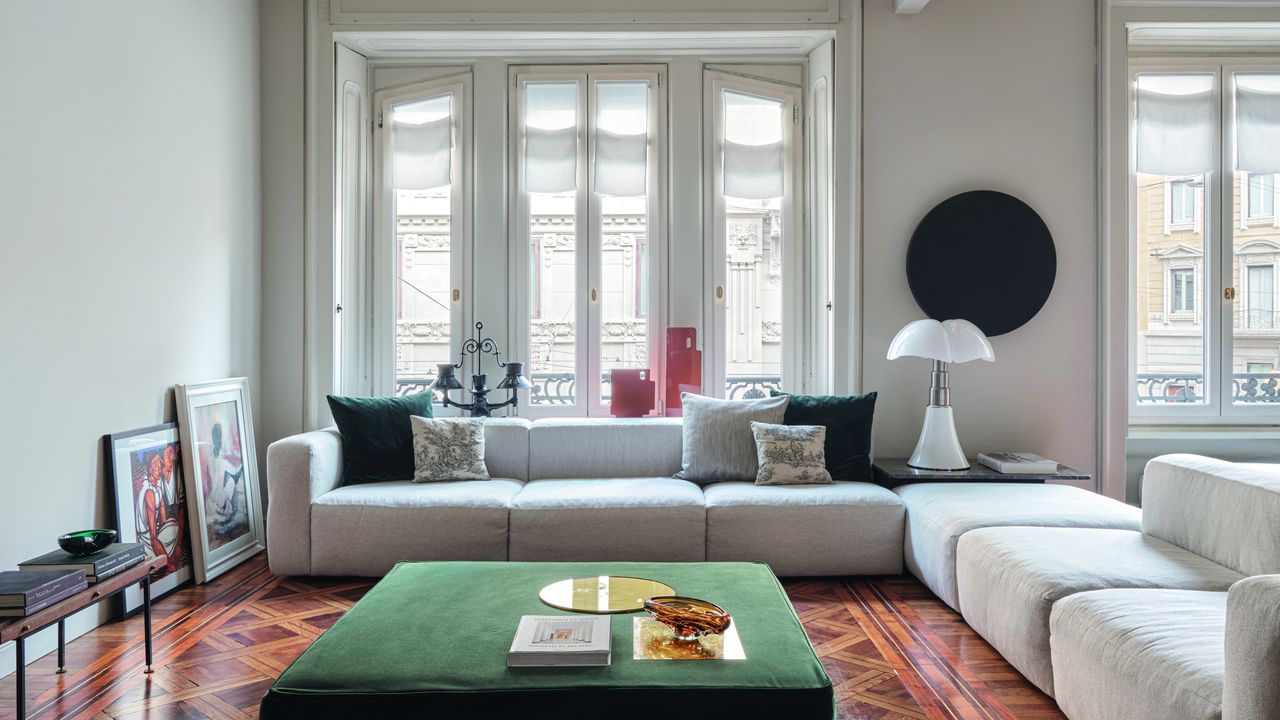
(689, 618)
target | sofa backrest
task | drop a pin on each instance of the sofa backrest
(604, 448)
(506, 448)
(1227, 512)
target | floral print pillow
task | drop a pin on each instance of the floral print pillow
(448, 449)
(790, 454)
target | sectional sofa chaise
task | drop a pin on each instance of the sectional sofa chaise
(1168, 613)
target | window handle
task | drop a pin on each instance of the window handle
(719, 292)
(1229, 293)
(593, 294)
(457, 294)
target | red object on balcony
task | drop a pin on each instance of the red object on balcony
(684, 367)
(632, 393)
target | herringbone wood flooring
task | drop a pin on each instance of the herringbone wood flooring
(892, 650)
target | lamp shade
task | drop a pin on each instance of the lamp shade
(950, 341)
(515, 379)
(446, 379)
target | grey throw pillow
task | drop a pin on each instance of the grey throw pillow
(791, 454)
(718, 444)
(448, 449)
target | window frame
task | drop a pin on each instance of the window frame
(588, 397)
(1247, 217)
(383, 281)
(715, 344)
(1219, 262)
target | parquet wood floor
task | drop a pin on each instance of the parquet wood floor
(893, 652)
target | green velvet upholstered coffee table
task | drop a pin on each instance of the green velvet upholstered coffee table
(431, 639)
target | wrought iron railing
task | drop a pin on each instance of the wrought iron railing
(1165, 388)
(561, 388)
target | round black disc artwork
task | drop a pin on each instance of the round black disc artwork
(983, 256)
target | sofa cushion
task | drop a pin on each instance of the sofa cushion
(448, 449)
(790, 454)
(939, 513)
(506, 447)
(604, 448)
(657, 519)
(366, 529)
(848, 421)
(1252, 689)
(1139, 654)
(377, 441)
(1010, 577)
(1227, 512)
(843, 528)
(718, 445)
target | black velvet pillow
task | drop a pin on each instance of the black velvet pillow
(848, 423)
(377, 439)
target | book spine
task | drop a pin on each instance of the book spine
(52, 599)
(102, 566)
(113, 571)
(53, 588)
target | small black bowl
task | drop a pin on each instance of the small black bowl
(86, 542)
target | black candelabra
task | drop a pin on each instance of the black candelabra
(513, 382)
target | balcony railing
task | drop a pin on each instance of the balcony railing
(561, 388)
(1165, 388)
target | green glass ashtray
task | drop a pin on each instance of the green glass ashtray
(86, 542)
(689, 618)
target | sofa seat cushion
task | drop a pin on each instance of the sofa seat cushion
(659, 519)
(1139, 654)
(939, 513)
(1009, 578)
(366, 529)
(593, 448)
(842, 528)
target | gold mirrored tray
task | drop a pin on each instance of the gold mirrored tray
(602, 594)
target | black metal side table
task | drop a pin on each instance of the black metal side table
(893, 472)
(18, 629)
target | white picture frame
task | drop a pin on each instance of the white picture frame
(224, 496)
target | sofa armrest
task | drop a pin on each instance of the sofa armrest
(300, 469)
(1252, 689)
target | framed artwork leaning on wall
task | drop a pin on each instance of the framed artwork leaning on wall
(223, 494)
(144, 469)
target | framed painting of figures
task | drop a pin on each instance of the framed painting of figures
(223, 494)
(144, 468)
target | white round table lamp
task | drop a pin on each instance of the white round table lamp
(950, 341)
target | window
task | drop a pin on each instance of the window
(588, 148)
(420, 229)
(752, 141)
(1202, 149)
(1259, 202)
(1183, 283)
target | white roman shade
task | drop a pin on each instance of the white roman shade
(1257, 128)
(621, 166)
(550, 159)
(753, 172)
(1175, 133)
(422, 154)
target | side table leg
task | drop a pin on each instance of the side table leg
(146, 615)
(62, 646)
(21, 674)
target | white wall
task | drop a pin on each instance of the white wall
(983, 94)
(129, 240)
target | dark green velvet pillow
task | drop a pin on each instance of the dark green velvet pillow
(848, 423)
(377, 439)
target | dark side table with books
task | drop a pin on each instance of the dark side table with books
(36, 597)
(893, 472)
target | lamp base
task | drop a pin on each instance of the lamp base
(938, 447)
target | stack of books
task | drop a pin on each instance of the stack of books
(26, 593)
(99, 566)
(1018, 463)
(556, 640)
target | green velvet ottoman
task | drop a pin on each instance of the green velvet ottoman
(430, 640)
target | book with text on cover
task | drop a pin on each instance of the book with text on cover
(102, 564)
(24, 593)
(1018, 463)
(558, 640)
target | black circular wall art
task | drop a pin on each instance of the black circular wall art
(982, 256)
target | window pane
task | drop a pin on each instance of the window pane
(553, 263)
(754, 245)
(423, 250)
(1256, 252)
(622, 109)
(1171, 225)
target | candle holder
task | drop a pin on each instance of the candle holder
(478, 347)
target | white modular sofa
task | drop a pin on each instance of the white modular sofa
(568, 490)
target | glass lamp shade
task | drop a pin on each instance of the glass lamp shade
(446, 379)
(950, 341)
(515, 379)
